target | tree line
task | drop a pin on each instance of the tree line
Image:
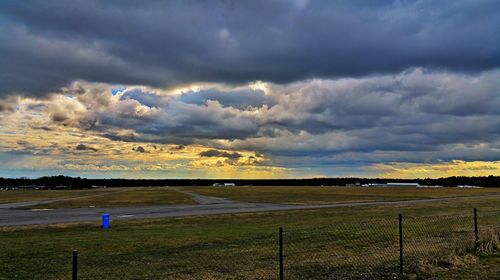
(83, 183)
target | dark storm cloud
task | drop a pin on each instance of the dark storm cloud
(238, 98)
(217, 153)
(47, 44)
(82, 147)
(418, 115)
(178, 147)
(145, 98)
(171, 120)
(140, 149)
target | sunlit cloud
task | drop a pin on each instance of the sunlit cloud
(308, 127)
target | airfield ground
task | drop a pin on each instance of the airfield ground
(116, 197)
(10, 196)
(123, 197)
(190, 247)
(325, 195)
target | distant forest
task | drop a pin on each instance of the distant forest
(82, 183)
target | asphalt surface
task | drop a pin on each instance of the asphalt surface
(208, 206)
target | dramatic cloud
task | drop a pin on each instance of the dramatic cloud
(417, 116)
(217, 153)
(140, 149)
(82, 147)
(46, 45)
(250, 88)
(240, 99)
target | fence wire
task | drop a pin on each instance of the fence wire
(365, 249)
(432, 236)
(246, 258)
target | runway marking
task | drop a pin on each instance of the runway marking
(125, 216)
(42, 209)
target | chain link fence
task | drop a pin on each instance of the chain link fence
(247, 258)
(365, 249)
(342, 251)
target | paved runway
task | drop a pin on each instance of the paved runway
(208, 206)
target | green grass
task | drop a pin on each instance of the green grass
(325, 195)
(124, 197)
(318, 243)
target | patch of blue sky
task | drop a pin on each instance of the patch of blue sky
(118, 90)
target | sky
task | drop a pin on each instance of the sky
(249, 89)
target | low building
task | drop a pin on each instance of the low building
(223, 184)
(403, 184)
(392, 185)
(468, 187)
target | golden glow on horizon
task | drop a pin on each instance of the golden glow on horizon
(436, 170)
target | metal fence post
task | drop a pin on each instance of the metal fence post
(75, 265)
(282, 276)
(476, 232)
(400, 244)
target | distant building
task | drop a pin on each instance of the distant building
(223, 184)
(403, 184)
(392, 185)
(30, 187)
(468, 187)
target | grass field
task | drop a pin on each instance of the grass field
(317, 243)
(115, 197)
(32, 195)
(125, 197)
(326, 195)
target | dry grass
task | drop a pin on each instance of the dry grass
(325, 195)
(125, 197)
(463, 258)
(275, 194)
(489, 241)
(427, 268)
(34, 195)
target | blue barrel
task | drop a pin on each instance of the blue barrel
(105, 220)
